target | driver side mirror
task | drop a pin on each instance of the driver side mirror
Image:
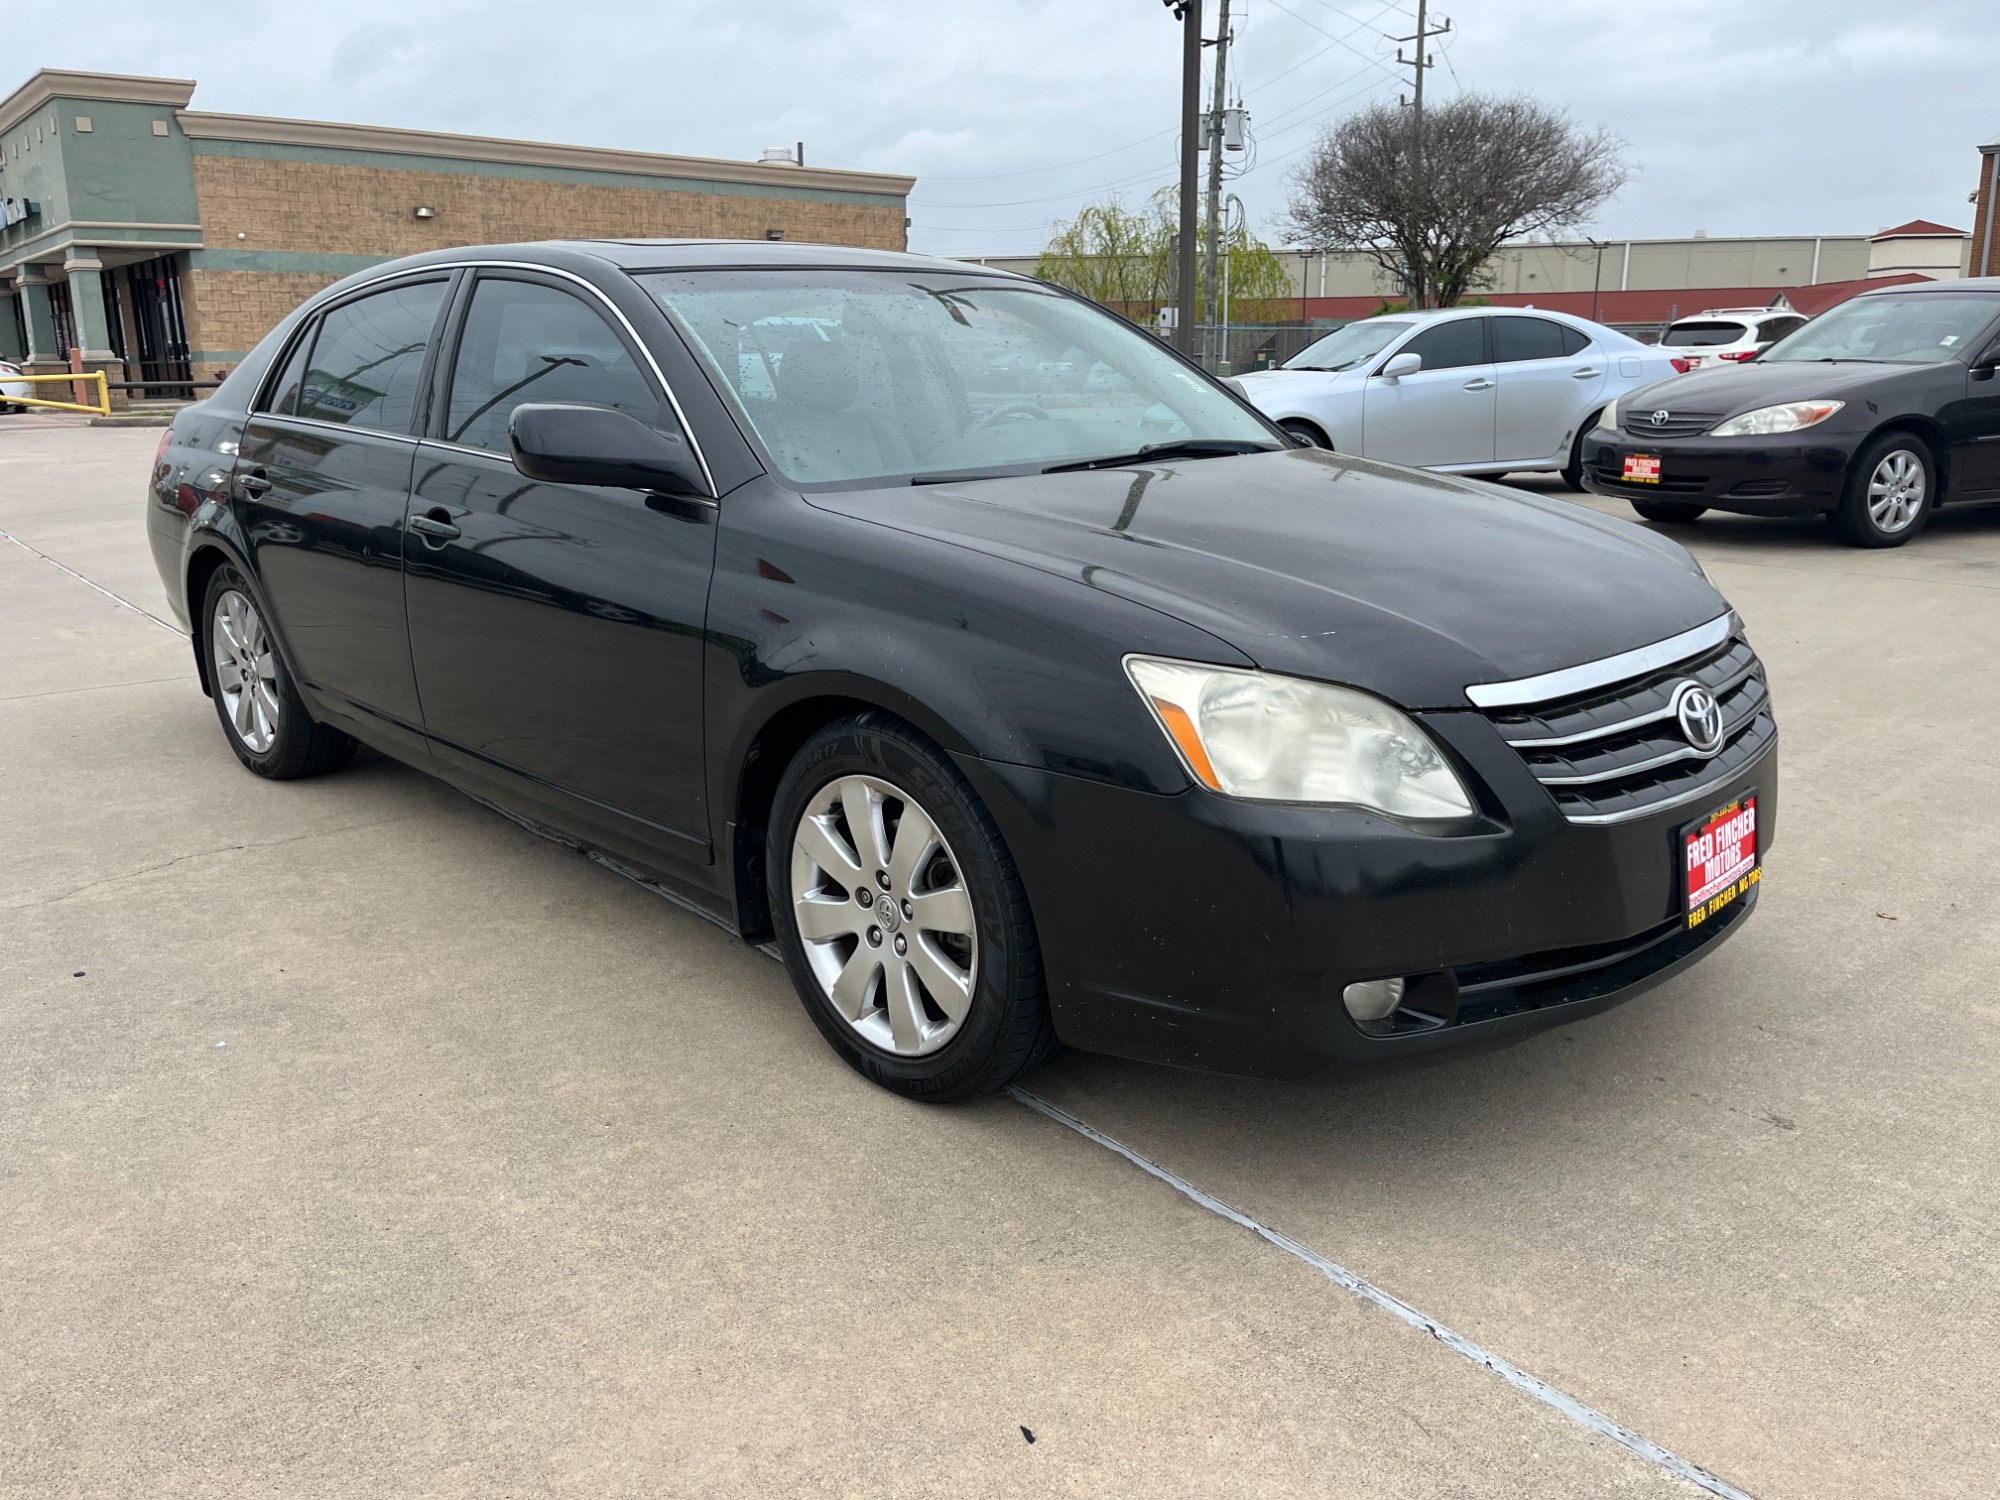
(597, 445)
(1400, 365)
(1987, 362)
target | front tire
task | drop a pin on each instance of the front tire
(1308, 435)
(1889, 491)
(263, 717)
(901, 916)
(1669, 512)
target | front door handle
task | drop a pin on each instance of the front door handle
(434, 526)
(253, 484)
(1585, 374)
(1479, 384)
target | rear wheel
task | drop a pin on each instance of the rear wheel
(1669, 512)
(901, 916)
(1308, 435)
(1888, 497)
(262, 715)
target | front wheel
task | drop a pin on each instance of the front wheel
(1669, 512)
(1888, 494)
(1308, 435)
(901, 916)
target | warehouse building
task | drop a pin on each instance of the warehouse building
(161, 242)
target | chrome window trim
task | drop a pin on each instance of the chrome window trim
(1583, 678)
(588, 285)
(1637, 722)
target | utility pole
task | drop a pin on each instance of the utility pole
(1189, 14)
(1215, 180)
(1422, 62)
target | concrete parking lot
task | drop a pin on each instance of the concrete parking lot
(354, 1140)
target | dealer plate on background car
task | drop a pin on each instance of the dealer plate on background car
(1720, 856)
(1642, 468)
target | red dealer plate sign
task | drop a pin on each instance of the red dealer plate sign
(1642, 468)
(1719, 854)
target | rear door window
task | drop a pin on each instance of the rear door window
(1526, 338)
(282, 395)
(528, 342)
(367, 365)
(1447, 346)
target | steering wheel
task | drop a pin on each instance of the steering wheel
(1010, 409)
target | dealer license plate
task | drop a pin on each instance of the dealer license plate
(1719, 857)
(1642, 468)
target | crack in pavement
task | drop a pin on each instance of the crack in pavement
(101, 687)
(179, 859)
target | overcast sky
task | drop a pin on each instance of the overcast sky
(1778, 116)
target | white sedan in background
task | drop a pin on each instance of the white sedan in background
(1486, 390)
(12, 390)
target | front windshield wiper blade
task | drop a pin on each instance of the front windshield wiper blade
(1189, 448)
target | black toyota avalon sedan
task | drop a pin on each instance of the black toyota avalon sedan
(1012, 676)
(1873, 414)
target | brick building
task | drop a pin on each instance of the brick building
(163, 242)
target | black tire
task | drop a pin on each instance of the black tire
(1572, 472)
(299, 746)
(1854, 522)
(1306, 433)
(1669, 512)
(1006, 1030)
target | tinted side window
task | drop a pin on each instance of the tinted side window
(1526, 338)
(1777, 328)
(368, 361)
(526, 342)
(1446, 346)
(1575, 340)
(282, 396)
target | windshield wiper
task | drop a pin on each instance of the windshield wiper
(1188, 448)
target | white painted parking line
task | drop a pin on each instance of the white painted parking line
(1508, 1371)
(114, 598)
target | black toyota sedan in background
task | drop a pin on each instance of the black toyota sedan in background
(1873, 414)
(1017, 679)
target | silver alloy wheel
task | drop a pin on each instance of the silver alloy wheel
(1896, 491)
(246, 671)
(884, 915)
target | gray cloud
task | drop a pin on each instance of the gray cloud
(1802, 116)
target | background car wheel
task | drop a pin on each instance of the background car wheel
(1669, 512)
(262, 714)
(1572, 472)
(1306, 433)
(901, 916)
(1889, 490)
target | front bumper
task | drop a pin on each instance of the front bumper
(1207, 933)
(1785, 475)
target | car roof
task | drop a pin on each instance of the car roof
(692, 254)
(1927, 288)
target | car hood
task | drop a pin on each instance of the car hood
(1322, 565)
(1257, 384)
(1728, 389)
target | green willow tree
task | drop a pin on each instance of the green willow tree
(1122, 258)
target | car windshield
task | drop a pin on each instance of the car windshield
(1703, 335)
(857, 376)
(1347, 347)
(1913, 329)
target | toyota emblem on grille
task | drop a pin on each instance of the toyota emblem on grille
(1700, 716)
(1660, 418)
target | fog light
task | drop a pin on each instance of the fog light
(1373, 999)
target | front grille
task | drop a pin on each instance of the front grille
(1667, 484)
(1640, 424)
(1617, 753)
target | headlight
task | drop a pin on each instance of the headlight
(1787, 418)
(1609, 416)
(1282, 739)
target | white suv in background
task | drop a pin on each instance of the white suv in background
(1729, 335)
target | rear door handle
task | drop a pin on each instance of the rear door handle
(1584, 374)
(1480, 384)
(253, 484)
(434, 524)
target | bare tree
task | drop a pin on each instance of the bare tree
(1492, 169)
